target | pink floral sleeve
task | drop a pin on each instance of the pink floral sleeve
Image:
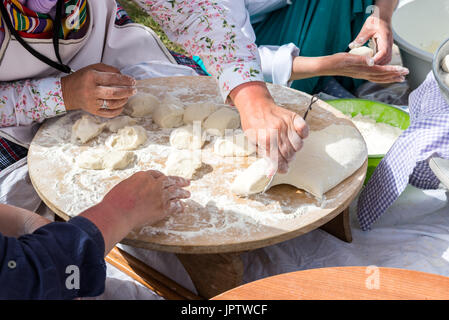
(205, 29)
(24, 102)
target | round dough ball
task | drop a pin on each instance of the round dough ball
(198, 112)
(117, 160)
(169, 114)
(445, 64)
(120, 122)
(91, 160)
(220, 120)
(363, 51)
(234, 146)
(127, 138)
(86, 129)
(183, 163)
(141, 105)
(188, 137)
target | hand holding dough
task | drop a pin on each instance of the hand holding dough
(188, 137)
(127, 138)
(118, 123)
(198, 112)
(141, 105)
(183, 163)
(222, 119)
(169, 114)
(86, 129)
(328, 157)
(234, 146)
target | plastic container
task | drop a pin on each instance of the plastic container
(377, 111)
(419, 27)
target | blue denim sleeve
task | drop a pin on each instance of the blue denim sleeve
(62, 260)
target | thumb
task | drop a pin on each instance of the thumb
(363, 37)
(301, 127)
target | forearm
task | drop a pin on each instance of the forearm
(15, 222)
(386, 8)
(309, 67)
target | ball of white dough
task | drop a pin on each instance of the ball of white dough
(198, 112)
(141, 105)
(86, 129)
(169, 114)
(220, 120)
(100, 160)
(118, 123)
(363, 51)
(127, 138)
(188, 137)
(183, 163)
(445, 64)
(234, 146)
(92, 160)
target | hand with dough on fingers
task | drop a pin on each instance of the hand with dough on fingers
(277, 131)
(95, 85)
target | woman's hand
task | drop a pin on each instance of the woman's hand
(88, 88)
(378, 27)
(145, 198)
(276, 130)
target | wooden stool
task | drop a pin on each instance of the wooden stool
(345, 283)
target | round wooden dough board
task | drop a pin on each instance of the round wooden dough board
(215, 221)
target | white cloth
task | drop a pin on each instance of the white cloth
(413, 235)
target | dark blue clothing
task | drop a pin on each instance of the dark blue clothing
(40, 265)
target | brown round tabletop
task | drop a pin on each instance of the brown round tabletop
(344, 283)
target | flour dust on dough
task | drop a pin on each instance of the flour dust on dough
(236, 145)
(120, 122)
(328, 157)
(190, 137)
(102, 159)
(198, 112)
(86, 129)
(141, 105)
(127, 138)
(363, 51)
(222, 119)
(170, 113)
(183, 163)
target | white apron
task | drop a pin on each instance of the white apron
(119, 46)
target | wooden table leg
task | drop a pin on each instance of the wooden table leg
(340, 227)
(213, 274)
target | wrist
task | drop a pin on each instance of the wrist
(65, 93)
(251, 96)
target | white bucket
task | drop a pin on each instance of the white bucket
(419, 27)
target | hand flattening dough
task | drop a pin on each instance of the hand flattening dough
(141, 105)
(445, 64)
(222, 119)
(169, 114)
(198, 112)
(328, 157)
(127, 138)
(188, 137)
(183, 163)
(86, 129)
(363, 51)
(100, 160)
(234, 146)
(120, 122)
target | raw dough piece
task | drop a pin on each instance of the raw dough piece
(445, 63)
(118, 123)
(183, 163)
(188, 137)
(198, 112)
(328, 157)
(127, 138)
(234, 146)
(117, 160)
(99, 160)
(169, 114)
(445, 77)
(363, 51)
(220, 120)
(86, 129)
(141, 105)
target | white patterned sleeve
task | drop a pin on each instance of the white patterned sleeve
(205, 29)
(27, 101)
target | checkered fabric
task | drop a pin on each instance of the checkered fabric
(407, 160)
(10, 153)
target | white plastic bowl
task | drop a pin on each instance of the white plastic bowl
(419, 27)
